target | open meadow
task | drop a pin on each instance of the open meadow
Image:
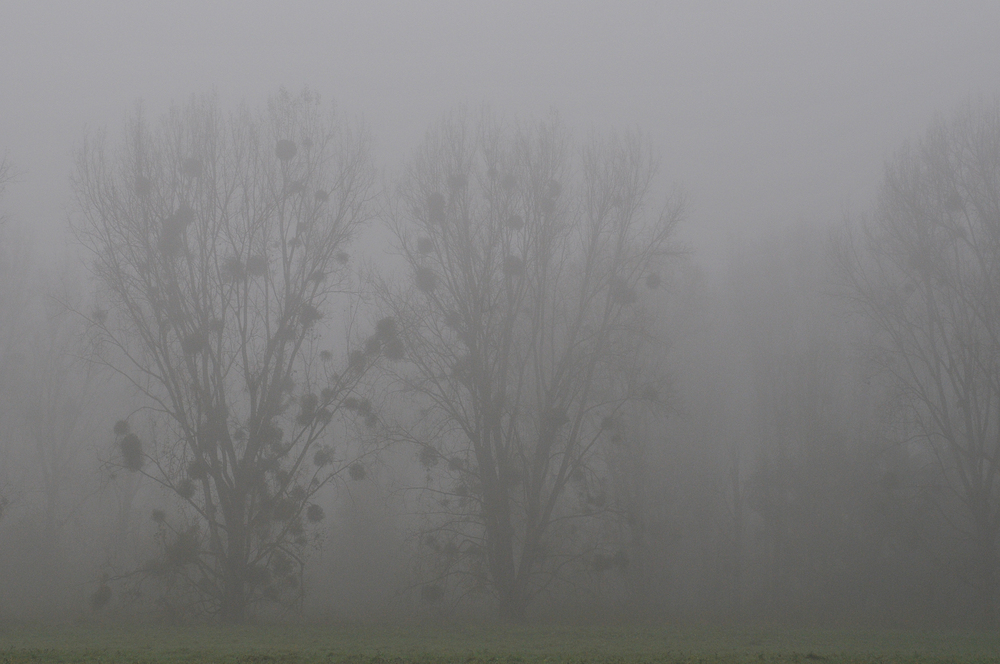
(413, 643)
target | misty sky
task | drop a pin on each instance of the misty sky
(765, 112)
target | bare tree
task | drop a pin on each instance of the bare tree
(523, 330)
(925, 272)
(61, 393)
(7, 175)
(219, 244)
(8, 271)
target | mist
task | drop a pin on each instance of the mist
(548, 311)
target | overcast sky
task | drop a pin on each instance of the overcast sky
(765, 112)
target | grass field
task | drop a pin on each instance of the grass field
(343, 643)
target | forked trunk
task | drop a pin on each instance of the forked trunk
(503, 559)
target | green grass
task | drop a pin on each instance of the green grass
(465, 644)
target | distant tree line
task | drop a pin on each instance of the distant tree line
(550, 405)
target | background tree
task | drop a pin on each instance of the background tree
(7, 175)
(219, 243)
(523, 330)
(9, 276)
(55, 403)
(925, 272)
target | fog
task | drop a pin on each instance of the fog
(718, 424)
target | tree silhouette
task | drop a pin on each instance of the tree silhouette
(523, 332)
(925, 272)
(219, 245)
(8, 334)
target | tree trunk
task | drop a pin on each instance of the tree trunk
(503, 561)
(234, 591)
(736, 590)
(513, 607)
(987, 563)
